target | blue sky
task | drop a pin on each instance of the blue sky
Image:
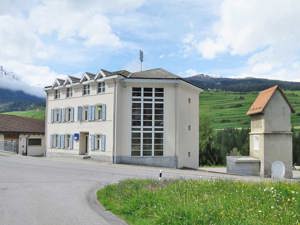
(42, 39)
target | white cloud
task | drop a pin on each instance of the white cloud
(264, 31)
(36, 33)
(72, 21)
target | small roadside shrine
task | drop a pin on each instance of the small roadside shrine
(270, 138)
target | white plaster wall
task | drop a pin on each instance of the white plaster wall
(187, 144)
(257, 123)
(1, 137)
(278, 147)
(32, 150)
(92, 127)
(277, 114)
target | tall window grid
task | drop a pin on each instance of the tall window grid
(147, 122)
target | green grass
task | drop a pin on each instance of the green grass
(35, 114)
(147, 202)
(228, 109)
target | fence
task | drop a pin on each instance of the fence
(10, 146)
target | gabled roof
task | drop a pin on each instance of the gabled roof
(106, 73)
(71, 80)
(87, 76)
(58, 82)
(17, 124)
(157, 73)
(264, 97)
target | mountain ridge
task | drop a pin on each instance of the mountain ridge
(246, 84)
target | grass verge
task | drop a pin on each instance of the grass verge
(187, 202)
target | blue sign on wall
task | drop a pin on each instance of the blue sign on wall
(76, 136)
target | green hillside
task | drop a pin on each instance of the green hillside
(35, 114)
(228, 109)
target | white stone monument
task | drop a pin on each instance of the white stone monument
(271, 136)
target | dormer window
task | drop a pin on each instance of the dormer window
(69, 92)
(101, 87)
(86, 89)
(56, 94)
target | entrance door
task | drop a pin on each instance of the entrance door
(84, 143)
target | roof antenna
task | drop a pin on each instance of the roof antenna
(141, 58)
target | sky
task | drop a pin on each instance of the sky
(44, 39)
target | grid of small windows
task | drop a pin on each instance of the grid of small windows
(147, 121)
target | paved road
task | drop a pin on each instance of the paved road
(45, 191)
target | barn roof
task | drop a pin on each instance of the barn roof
(264, 97)
(17, 124)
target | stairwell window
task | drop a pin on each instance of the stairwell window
(69, 92)
(147, 121)
(56, 94)
(86, 89)
(101, 87)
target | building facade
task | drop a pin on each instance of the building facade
(149, 117)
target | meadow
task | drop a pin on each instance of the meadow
(35, 113)
(197, 202)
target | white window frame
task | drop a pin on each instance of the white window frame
(56, 94)
(101, 87)
(86, 88)
(69, 92)
(85, 112)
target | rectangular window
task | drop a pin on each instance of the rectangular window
(34, 142)
(85, 113)
(98, 142)
(67, 141)
(68, 114)
(69, 92)
(56, 94)
(86, 89)
(147, 121)
(101, 87)
(99, 112)
(57, 115)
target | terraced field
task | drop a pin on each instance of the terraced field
(228, 109)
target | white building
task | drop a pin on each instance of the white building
(149, 117)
